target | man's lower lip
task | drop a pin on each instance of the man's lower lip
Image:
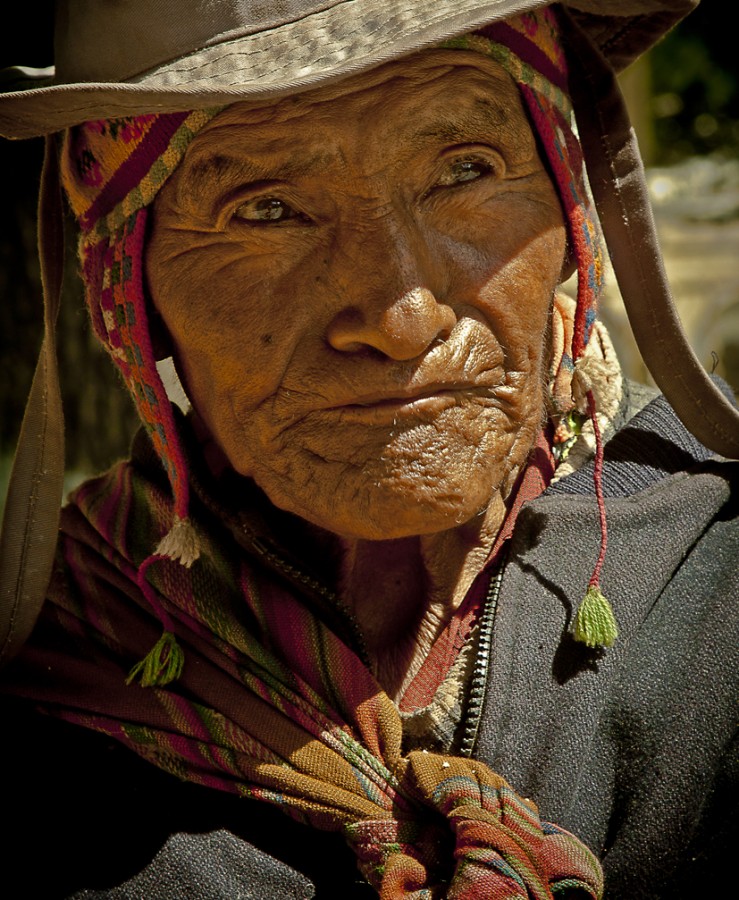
(393, 411)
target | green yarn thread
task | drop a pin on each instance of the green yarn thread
(595, 623)
(161, 665)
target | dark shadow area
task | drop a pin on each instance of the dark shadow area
(99, 814)
(571, 658)
(99, 416)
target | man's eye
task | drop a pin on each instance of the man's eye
(462, 170)
(266, 209)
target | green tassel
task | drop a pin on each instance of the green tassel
(595, 624)
(162, 664)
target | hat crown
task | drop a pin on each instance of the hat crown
(112, 41)
(117, 40)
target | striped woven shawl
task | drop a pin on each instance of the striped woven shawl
(272, 704)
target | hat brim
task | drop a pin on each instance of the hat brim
(327, 45)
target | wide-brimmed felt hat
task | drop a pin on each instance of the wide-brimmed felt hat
(132, 57)
(135, 56)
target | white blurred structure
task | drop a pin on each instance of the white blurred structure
(696, 205)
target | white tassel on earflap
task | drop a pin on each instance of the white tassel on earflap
(180, 543)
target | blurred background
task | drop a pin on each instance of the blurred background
(684, 101)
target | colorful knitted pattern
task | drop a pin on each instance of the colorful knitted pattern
(112, 170)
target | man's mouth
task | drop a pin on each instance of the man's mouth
(401, 405)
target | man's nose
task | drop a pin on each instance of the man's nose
(389, 304)
(402, 330)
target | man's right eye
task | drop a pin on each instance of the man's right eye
(466, 169)
(266, 209)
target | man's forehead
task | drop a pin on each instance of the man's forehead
(447, 96)
(444, 115)
(423, 70)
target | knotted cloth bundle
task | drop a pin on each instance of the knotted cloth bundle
(501, 849)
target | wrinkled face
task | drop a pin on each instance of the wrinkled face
(357, 283)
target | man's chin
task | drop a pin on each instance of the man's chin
(387, 511)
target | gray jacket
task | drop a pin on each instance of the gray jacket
(633, 751)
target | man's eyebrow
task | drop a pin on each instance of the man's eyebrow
(485, 115)
(222, 171)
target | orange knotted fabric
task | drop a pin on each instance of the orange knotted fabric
(485, 842)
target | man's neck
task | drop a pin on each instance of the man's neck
(403, 592)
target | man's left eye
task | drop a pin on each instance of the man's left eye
(463, 170)
(266, 209)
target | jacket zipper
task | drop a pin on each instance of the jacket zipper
(478, 683)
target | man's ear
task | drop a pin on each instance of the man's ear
(161, 342)
(569, 263)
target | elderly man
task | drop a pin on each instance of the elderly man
(364, 581)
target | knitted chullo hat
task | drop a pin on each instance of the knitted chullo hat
(112, 170)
